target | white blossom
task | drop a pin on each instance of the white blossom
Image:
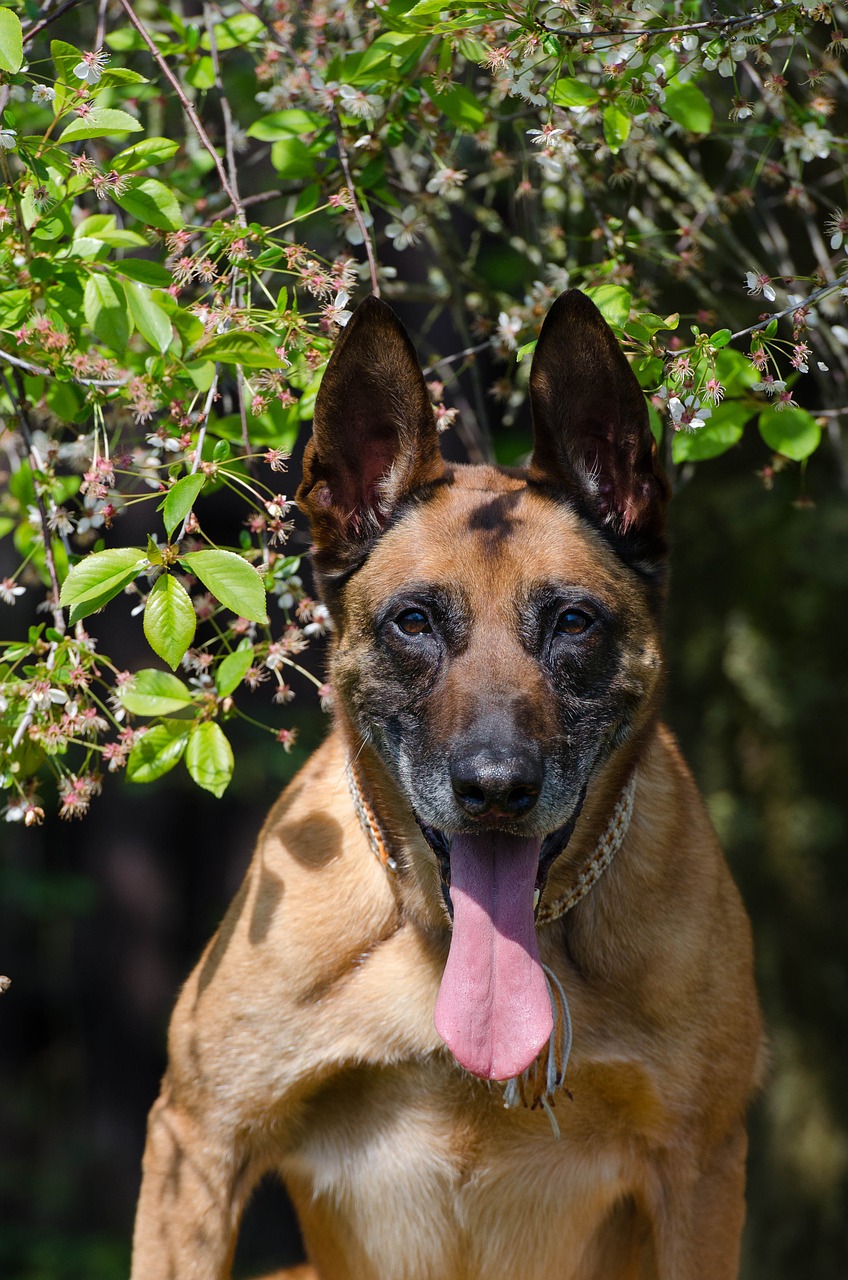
(759, 284)
(366, 106)
(812, 142)
(406, 228)
(91, 69)
(688, 414)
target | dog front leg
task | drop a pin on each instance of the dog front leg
(698, 1219)
(192, 1192)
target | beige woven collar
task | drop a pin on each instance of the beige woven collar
(605, 850)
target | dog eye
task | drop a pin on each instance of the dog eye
(573, 622)
(413, 622)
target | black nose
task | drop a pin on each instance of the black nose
(505, 781)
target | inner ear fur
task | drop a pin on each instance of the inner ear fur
(592, 436)
(374, 434)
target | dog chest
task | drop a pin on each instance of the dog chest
(420, 1164)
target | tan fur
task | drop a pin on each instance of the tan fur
(304, 1043)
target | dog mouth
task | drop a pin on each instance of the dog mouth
(493, 1010)
(550, 848)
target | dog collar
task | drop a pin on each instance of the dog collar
(605, 850)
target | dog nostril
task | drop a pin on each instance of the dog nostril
(471, 798)
(521, 800)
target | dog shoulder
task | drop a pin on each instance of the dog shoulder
(314, 932)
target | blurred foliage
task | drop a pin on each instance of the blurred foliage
(194, 196)
(471, 163)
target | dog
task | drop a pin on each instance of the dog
(485, 999)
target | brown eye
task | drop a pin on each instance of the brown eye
(573, 622)
(413, 622)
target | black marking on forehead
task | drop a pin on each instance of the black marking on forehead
(496, 517)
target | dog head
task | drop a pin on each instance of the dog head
(497, 630)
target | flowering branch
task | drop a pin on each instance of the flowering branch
(357, 211)
(184, 101)
(20, 402)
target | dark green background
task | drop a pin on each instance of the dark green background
(102, 920)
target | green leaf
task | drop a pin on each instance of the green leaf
(180, 499)
(292, 123)
(11, 41)
(152, 203)
(720, 338)
(65, 57)
(718, 434)
(99, 577)
(231, 580)
(237, 347)
(14, 305)
(121, 76)
(292, 159)
(567, 92)
(107, 311)
(144, 271)
(685, 104)
(459, 104)
(526, 349)
(141, 154)
(201, 74)
(231, 670)
(169, 619)
(240, 29)
(150, 320)
(157, 751)
(209, 758)
(100, 123)
(613, 302)
(154, 693)
(792, 432)
(617, 124)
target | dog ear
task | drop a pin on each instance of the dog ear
(591, 429)
(374, 433)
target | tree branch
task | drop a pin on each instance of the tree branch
(187, 106)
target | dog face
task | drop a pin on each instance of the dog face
(497, 631)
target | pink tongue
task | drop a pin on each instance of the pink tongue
(493, 1010)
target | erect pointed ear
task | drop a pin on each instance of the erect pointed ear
(374, 435)
(591, 428)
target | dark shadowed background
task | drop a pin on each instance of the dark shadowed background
(100, 921)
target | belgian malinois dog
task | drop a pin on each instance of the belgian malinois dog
(485, 998)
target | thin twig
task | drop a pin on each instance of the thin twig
(719, 25)
(261, 197)
(100, 35)
(787, 311)
(226, 112)
(357, 212)
(19, 401)
(340, 143)
(31, 32)
(201, 437)
(184, 101)
(459, 355)
(37, 369)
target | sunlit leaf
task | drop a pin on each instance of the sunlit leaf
(231, 580)
(154, 693)
(157, 751)
(180, 499)
(232, 669)
(169, 619)
(209, 757)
